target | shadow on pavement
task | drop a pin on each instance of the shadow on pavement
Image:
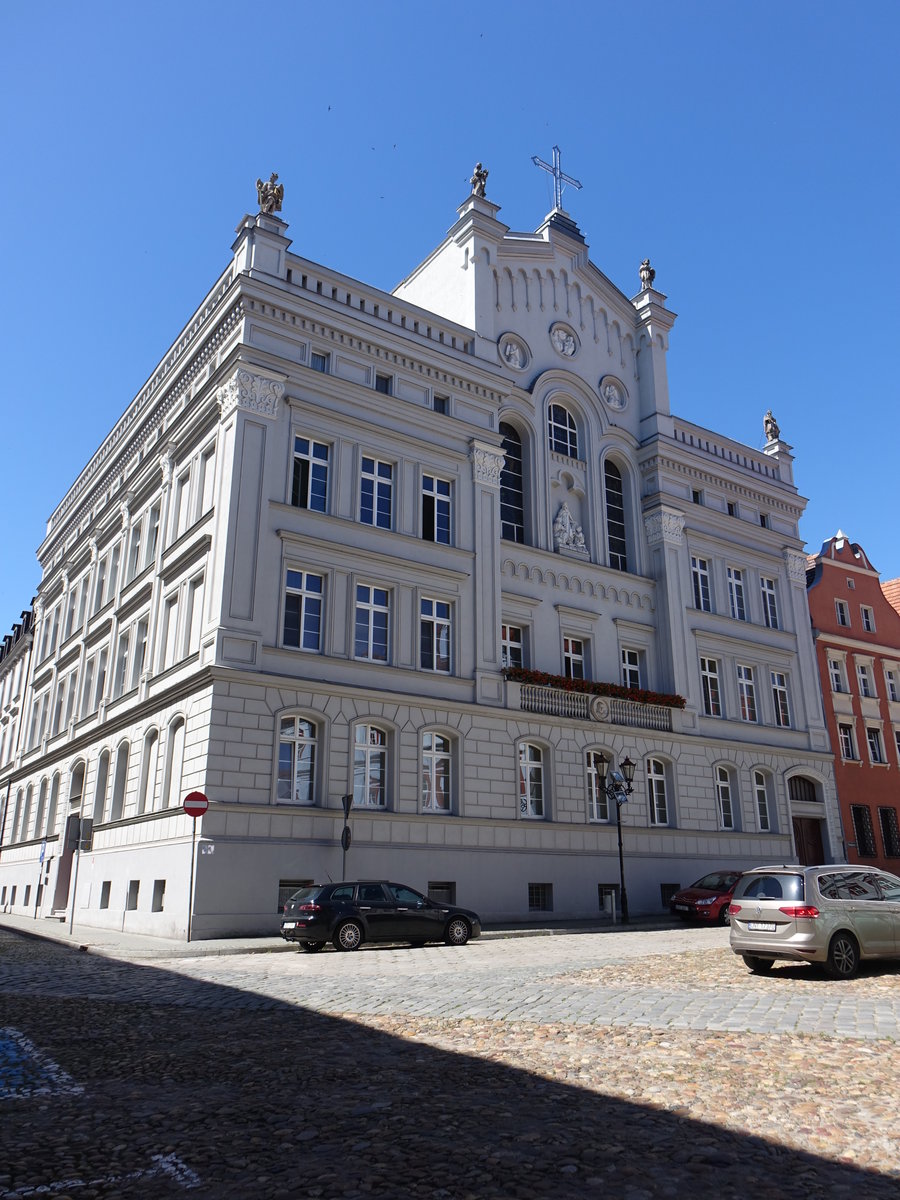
(204, 1091)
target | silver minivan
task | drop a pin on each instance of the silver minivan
(835, 915)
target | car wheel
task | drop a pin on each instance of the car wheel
(311, 947)
(348, 936)
(759, 966)
(457, 932)
(724, 915)
(843, 956)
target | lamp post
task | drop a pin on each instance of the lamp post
(617, 784)
(347, 802)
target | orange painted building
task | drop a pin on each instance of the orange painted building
(857, 636)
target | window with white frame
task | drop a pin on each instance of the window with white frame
(842, 613)
(436, 509)
(194, 615)
(864, 675)
(868, 618)
(383, 384)
(169, 639)
(709, 681)
(309, 478)
(847, 740)
(120, 781)
(761, 796)
(573, 658)
(370, 767)
(371, 623)
(512, 486)
(297, 743)
(746, 692)
(736, 593)
(724, 800)
(769, 602)
(836, 674)
(139, 657)
(437, 765)
(512, 646)
(598, 801)
(631, 668)
(700, 582)
(656, 792)
(562, 431)
(531, 780)
(890, 677)
(434, 635)
(319, 361)
(780, 699)
(149, 764)
(174, 767)
(303, 609)
(207, 482)
(376, 493)
(876, 747)
(181, 505)
(41, 812)
(107, 577)
(135, 538)
(152, 535)
(616, 533)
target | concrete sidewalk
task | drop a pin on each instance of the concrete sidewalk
(113, 943)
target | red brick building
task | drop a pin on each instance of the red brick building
(857, 637)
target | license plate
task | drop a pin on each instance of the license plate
(761, 926)
(682, 908)
(289, 925)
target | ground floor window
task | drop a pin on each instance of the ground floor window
(540, 897)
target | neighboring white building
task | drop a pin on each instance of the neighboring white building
(298, 564)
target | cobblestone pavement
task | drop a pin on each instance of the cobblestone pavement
(639, 1065)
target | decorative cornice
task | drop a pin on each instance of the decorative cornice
(252, 391)
(664, 525)
(487, 463)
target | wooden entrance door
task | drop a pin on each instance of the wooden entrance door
(808, 840)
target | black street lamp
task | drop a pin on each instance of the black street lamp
(618, 789)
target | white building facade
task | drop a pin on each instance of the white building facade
(319, 555)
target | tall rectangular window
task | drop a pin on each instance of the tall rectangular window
(836, 674)
(863, 831)
(434, 635)
(436, 773)
(512, 650)
(700, 581)
(746, 692)
(865, 680)
(573, 658)
(309, 481)
(436, 510)
(207, 480)
(598, 801)
(531, 780)
(709, 680)
(656, 792)
(119, 673)
(376, 493)
(182, 505)
(890, 833)
(371, 635)
(194, 615)
(615, 516)
(170, 633)
(140, 650)
(876, 749)
(868, 618)
(842, 613)
(723, 798)
(736, 593)
(296, 761)
(631, 668)
(303, 610)
(780, 699)
(512, 486)
(848, 747)
(891, 680)
(769, 602)
(761, 793)
(152, 536)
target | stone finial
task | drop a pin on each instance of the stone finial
(770, 427)
(270, 194)
(479, 180)
(647, 275)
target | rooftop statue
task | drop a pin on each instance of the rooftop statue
(647, 275)
(270, 193)
(770, 426)
(478, 180)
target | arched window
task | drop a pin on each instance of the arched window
(762, 799)
(101, 786)
(512, 486)
(437, 766)
(54, 803)
(17, 816)
(725, 798)
(149, 764)
(41, 813)
(598, 802)
(370, 767)
(531, 780)
(174, 764)
(26, 814)
(616, 533)
(296, 762)
(562, 430)
(120, 782)
(657, 792)
(76, 787)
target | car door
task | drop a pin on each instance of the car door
(869, 913)
(889, 886)
(418, 919)
(378, 910)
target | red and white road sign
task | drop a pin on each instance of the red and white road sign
(195, 804)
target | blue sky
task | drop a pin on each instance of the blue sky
(749, 149)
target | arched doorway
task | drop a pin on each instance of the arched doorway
(807, 820)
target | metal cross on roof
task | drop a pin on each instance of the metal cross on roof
(559, 177)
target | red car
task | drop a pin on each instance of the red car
(707, 899)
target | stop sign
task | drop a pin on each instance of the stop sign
(195, 804)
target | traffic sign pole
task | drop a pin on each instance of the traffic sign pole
(195, 805)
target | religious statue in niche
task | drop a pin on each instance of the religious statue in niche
(647, 275)
(562, 340)
(613, 396)
(479, 180)
(566, 534)
(514, 354)
(770, 425)
(270, 194)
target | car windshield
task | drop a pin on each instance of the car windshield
(770, 887)
(718, 881)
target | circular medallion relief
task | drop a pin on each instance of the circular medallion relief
(599, 709)
(513, 352)
(613, 392)
(563, 340)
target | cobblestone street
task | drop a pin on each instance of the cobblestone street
(633, 1064)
